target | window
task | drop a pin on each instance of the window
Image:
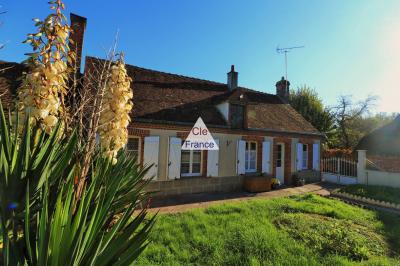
(191, 162)
(305, 156)
(251, 156)
(237, 116)
(279, 156)
(133, 147)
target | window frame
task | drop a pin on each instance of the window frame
(279, 156)
(304, 163)
(191, 174)
(139, 139)
(247, 161)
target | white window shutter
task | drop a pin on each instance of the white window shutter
(150, 155)
(240, 157)
(266, 157)
(316, 156)
(299, 156)
(174, 158)
(213, 161)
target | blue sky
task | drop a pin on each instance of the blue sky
(351, 47)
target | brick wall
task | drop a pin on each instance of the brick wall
(195, 185)
(387, 163)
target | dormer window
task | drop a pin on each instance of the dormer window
(236, 115)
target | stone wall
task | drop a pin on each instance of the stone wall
(310, 176)
(196, 185)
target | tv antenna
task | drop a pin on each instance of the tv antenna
(285, 51)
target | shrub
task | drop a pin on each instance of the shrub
(42, 222)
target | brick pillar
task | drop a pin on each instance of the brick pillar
(78, 25)
(310, 155)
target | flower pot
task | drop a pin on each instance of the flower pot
(257, 183)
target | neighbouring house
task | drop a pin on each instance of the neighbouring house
(257, 132)
(383, 146)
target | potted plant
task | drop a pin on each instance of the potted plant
(257, 183)
(275, 183)
(298, 180)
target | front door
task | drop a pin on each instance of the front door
(280, 162)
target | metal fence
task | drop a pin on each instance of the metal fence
(339, 166)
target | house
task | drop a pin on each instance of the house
(384, 140)
(383, 146)
(256, 132)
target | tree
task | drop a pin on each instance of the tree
(307, 102)
(347, 118)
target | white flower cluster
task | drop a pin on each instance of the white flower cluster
(40, 93)
(114, 118)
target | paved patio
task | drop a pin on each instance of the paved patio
(201, 200)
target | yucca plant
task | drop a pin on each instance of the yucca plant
(41, 221)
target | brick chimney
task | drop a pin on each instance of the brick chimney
(282, 89)
(232, 79)
(78, 25)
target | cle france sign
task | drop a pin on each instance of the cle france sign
(199, 138)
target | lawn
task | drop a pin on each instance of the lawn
(300, 230)
(388, 194)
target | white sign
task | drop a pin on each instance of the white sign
(199, 138)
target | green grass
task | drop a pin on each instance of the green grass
(388, 194)
(300, 230)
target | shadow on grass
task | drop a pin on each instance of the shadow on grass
(391, 230)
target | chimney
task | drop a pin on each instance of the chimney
(78, 25)
(232, 79)
(282, 89)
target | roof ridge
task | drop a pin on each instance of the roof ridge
(253, 90)
(188, 77)
(167, 73)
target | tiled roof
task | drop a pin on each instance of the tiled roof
(166, 97)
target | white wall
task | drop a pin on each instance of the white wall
(343, 180)
(380, 178)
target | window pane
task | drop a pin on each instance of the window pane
(304, 147)
(305, 159)
(253, 146)
(133, 144)
(185, 156)
(196, 156)
(184, 168)
(196, 168)
(252, 165)
(278, 163)
(253, 156)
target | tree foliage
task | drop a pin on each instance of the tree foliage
(343, 124)
(307, 102)
(347, 118)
